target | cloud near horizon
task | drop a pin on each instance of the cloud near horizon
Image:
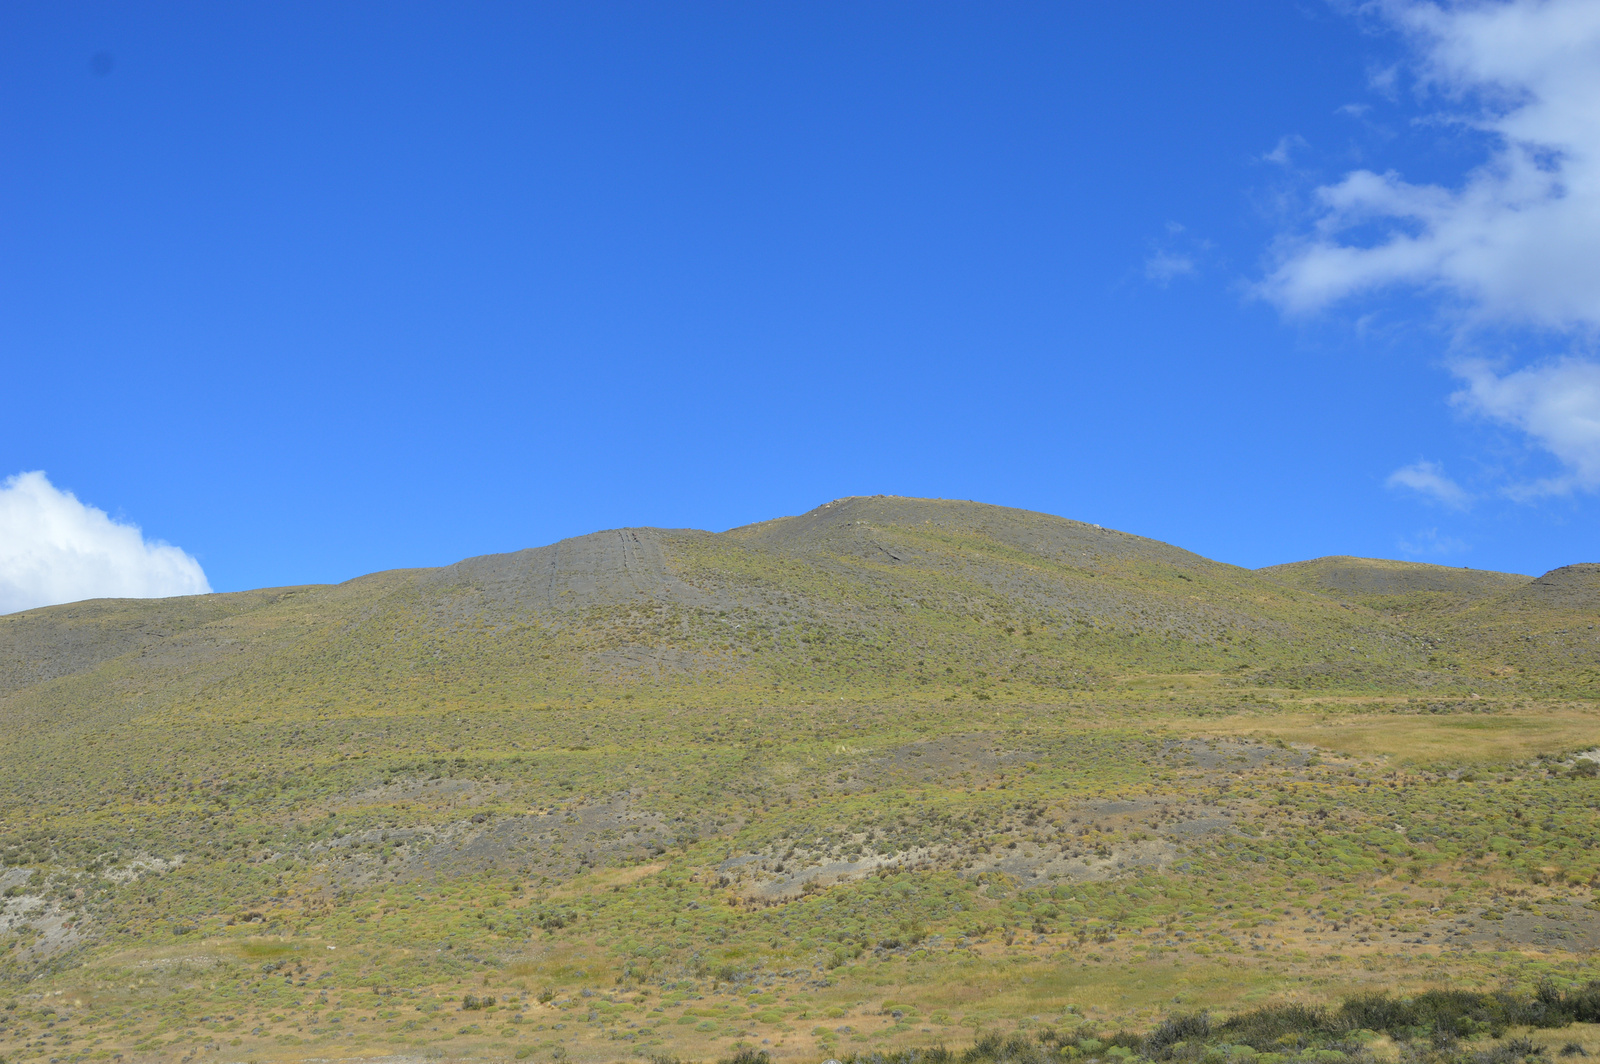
(1429, 479)
(55, 549)
(1429, 543)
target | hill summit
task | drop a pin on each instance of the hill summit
(854, 598)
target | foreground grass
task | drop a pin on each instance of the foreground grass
(1278, 874)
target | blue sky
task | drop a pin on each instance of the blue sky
(312, 290)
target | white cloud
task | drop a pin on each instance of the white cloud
(54, 549)
(1557, 404)
(1429, 479)
(1512, 245)
(1515, 242)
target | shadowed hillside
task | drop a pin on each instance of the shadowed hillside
(1569, 589)
(1396, 585)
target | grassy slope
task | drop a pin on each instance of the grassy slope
(1008, 764)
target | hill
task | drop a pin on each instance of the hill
(853, 598)
(821, 782)
(1397, 585)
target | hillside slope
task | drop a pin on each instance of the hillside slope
(1396, 585)
(856, 598)
(1510, 633)
(890, 758)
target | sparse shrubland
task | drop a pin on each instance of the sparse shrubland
(889, 777)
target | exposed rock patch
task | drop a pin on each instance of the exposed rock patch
(554, 845)
(46, 928)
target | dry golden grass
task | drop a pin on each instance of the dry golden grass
(1366, 728)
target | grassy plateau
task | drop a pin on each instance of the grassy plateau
(897, 780)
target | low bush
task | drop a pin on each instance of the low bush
(1429, 1026)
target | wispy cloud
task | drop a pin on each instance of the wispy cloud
(1179, 253)
(1429, 480)
(1282, 155)
(1163, 267)
(54, 549)
(1557, 405)
(1428, 543)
